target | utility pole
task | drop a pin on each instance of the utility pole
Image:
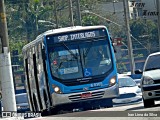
(158, 10)
(71, 13)
(78, 13)
(55, 10)
(130, 50)
(8, 93)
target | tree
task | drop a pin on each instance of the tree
(23, 17)
(146, 32)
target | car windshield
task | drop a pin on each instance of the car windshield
(126, 82)
(83, 59)
(152, 63)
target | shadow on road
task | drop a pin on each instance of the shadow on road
(136, 108)
(142, 107)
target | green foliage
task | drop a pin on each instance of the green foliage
(137, 27)
(23, 20)
(90, 20)
(17, 45)
(36, 1)
(121, 67)
(146, 32)
(140, 27)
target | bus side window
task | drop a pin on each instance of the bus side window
(43, 54)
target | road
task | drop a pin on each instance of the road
(124, 112)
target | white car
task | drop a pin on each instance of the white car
(128, 90)
(150, 81)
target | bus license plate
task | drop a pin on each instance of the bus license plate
(86, 95)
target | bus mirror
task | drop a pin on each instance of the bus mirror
(113, 44)
(43, 54)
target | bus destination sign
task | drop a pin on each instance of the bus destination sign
(77, 36)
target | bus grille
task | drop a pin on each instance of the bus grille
(78, 97)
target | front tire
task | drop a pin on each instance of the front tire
(47, 111)
(148, 103)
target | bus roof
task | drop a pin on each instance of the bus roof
(156, 53)
(68, 29)
(61, 30)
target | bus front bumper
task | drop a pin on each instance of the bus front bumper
(111, 92)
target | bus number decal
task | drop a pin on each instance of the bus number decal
(97, 84)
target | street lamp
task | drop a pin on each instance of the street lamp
(87, 11)
(48, 23)
(114, 1)
(43, 21)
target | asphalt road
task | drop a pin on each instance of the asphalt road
(123, 112)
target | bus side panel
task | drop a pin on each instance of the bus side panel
(36, 79)
(30, 78)
(27, 84)
(43, 79)
(113, 54)
(45, 72)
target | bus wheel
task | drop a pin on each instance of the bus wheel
(109, 103)
(47, 111)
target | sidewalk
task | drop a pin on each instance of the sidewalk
(21, 118)
(12, 118)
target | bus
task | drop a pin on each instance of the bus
(71, 67)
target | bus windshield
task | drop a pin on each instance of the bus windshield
(82, 59)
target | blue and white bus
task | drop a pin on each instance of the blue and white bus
(72, 66)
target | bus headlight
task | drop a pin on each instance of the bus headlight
(56, 89)
(112, 81)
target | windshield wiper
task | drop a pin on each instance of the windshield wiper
(65, 60)
(66, 47)
(151, 69)
(87, 51)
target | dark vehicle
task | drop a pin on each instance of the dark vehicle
(22, 102)
(137, 76)
(138, 81)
